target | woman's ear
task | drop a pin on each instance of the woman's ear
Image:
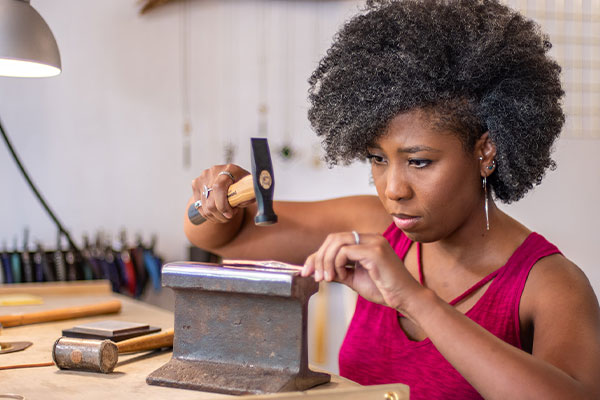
(485, 151)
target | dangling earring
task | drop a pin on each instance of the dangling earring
(485, 206)
(485, 194)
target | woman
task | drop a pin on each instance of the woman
(454, 103)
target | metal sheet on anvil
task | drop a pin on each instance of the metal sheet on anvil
(237, 278)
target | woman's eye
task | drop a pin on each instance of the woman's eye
(419, 163)
(375, 159)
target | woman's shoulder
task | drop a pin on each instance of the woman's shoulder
(556, 272)
(560, 311)
(557, 285)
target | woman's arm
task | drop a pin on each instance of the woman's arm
(300, 230)
(565, 362)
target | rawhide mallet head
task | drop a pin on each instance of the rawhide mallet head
(102, 355)
(259, 185)
(85, 354)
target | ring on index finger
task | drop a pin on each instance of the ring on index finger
(356, 237)
(206, 191)
(228, 174)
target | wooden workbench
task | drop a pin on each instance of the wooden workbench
(128, 379)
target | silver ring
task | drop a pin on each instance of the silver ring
(356, 237)
(197, 204)
(228, 174)
(206, 191)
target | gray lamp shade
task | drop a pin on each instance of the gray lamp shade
(27, 45)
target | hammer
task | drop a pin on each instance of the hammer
(259, 185)
(102, 355)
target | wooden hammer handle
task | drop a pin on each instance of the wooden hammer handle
(241, 191)
(58, 314)
(149, 342)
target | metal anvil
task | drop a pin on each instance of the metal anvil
(240, 328)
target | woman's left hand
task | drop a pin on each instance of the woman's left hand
(378, 274)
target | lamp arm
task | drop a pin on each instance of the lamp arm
(36, 191)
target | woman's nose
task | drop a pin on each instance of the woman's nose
(397, 186)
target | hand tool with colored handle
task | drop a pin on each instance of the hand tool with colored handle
(102, 355)
(259, 185)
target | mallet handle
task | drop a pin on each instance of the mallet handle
(239, 192)
(58, 314)
(149, 342)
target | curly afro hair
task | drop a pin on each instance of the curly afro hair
(474, 65)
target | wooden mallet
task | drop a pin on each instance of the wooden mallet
(102, 355)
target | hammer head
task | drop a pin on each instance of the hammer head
(262, 173)
(85, 354)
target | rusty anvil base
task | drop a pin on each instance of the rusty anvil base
(238, 330)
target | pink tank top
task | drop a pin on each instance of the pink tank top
(377, 351)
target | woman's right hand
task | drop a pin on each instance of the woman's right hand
(214, 204)
(376, 273)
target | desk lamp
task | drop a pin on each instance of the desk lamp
(27, 49)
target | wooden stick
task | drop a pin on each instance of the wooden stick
(321, 320)
(59, 314)
(46, 364)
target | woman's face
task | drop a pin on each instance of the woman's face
(426, 180)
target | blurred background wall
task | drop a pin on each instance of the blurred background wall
(145, 102)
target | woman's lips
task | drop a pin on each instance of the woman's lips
(403, 221)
